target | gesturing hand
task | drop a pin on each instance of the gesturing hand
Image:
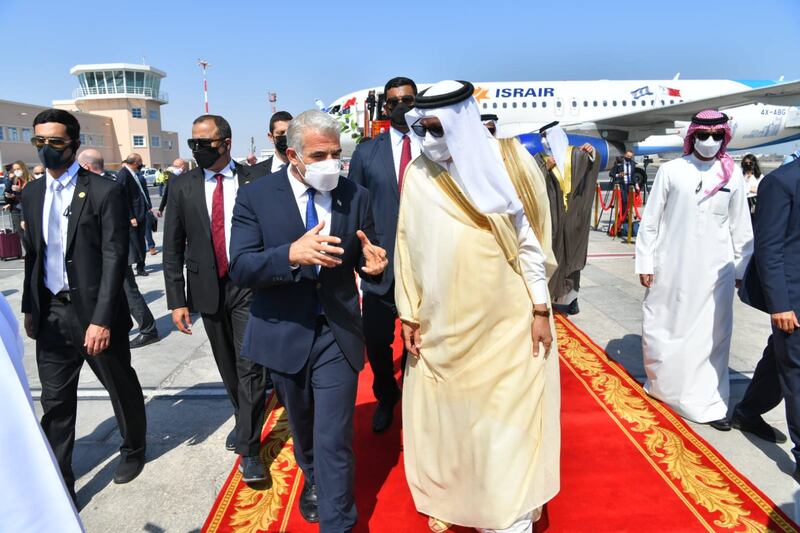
(786, 321)
(588, 148)
(315, 249)
(375, 256)
(646, 280)
(412, 338)
(97, 339)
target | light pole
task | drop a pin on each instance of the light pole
(273, 99)
(204, 64)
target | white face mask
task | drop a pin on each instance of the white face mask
(37, 176)
(177, 171)
(707, 148)
(435, 148)
(18, 173)
(323, 175)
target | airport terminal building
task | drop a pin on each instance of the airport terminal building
(119, 108)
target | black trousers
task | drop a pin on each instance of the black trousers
(380, 315)
(777, 376)
(245, 381)
(320, 401)
(139, 310)
(60, 356)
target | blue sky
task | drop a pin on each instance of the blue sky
(307, 50)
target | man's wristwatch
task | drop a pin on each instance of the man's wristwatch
(545, 314)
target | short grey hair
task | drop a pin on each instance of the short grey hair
(310, 120)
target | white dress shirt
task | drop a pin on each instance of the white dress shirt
(68, 180)
(396, 137)
(230, 186)
(322, 201)
(277, 163)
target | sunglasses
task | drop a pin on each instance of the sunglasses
(421, 129)
(704, 135)
(57, 143)
(407, 99)
(201, 144)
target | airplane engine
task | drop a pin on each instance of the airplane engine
(608, 150)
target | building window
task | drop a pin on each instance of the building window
(2, 133)
(138, 141)
(136, 112)
(155, 141)
(153, 114)
(13, 135)
(26, 135)
(83, 138)
(98, 140)
(169, 145)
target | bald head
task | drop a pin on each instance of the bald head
(92, 160)
(181, 164)
(134, 160)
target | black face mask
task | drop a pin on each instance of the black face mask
(280, 144)
(52, 158)
(206, 157)
(398, 116)
(747, 166)
(628, 159)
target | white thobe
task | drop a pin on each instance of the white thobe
(696, 246)
(34, 495)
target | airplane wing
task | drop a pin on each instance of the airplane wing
(663, 118)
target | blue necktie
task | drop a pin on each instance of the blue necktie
(311, 210)
(311, 221)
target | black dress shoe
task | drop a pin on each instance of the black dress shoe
(127, 469)
(757, 427)
(796, 473)
(382, 419)
(230, 440)
(252, 469)
(720, 425)
(308, 503)
(143, 340)
(142, 273)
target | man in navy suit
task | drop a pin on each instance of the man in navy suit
(378, 165)
(298, 238)
(772, 284)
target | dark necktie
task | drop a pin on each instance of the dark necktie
(405, 159)
(311, 210)
(311, 221)
(218, 227)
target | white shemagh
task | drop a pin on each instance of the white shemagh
(480, 167)
(558, 142)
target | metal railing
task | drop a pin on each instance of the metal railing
(145, 92)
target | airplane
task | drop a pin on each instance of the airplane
(647, 116)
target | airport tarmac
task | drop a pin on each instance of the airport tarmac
(189, 415)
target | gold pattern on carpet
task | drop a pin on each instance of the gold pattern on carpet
(256, 509)
(705, 486)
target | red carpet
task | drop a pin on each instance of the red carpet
(628, 464)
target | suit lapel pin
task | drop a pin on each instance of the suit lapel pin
(246, 182)
(82, 195)
(338, 202)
